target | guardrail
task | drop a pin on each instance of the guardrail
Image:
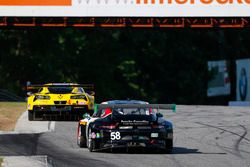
(8, 96)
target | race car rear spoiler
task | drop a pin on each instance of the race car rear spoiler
(153, 106)
(84, 86)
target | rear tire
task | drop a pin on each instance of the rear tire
(91, 146)
(169, 146)
(81, 138)
(30, 115)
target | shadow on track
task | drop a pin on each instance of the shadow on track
(183, 150)
(18, 144)
(176, 150)
(31, 145)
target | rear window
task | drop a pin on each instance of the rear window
(60, 90)
(132, 111)
(126, 111)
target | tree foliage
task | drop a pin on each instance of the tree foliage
(158, 65)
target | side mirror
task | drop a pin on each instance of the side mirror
(92, 93)
(159, 115)
(86, 115)
(29, 94)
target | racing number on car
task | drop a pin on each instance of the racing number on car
(115, 135)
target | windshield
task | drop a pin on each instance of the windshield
(60, 90)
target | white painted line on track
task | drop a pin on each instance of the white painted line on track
(52, 125)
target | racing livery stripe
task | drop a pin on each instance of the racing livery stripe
(35, 2)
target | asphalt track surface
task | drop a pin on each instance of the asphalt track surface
(204, 136)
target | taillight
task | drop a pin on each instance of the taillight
(79, 97)
(108, 126)
(41, 97)
(157, 126)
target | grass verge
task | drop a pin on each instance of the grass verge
(9, 114)
(1, 161)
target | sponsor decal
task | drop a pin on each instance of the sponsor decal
(134, 122)
(115, 136)
(98, 135)
(164, 2)
(205, 2)
(93, 135)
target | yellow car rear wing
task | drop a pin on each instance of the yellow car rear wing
(89, 88)
(84, 86)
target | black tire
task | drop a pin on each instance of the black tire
(81, 138)
(30, 115)
(91, 146)
(169, 145)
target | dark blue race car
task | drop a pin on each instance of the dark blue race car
(126, 123)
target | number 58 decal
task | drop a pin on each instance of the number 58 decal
(115, 136)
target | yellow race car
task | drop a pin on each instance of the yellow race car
(59, 101)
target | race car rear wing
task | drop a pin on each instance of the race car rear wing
(153, 106)
(89, 88)
(84, 86)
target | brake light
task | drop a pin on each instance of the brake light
(77, 97)
(108, 126)
(152, 141)
(157, 126)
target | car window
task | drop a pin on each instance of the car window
(60, 90)
(132, 111)
(40, 90)
(81, 90)
(78, 90)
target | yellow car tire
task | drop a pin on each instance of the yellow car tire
(30, 115)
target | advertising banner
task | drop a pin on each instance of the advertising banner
(125, 8)
(243, 80)
(219, 83)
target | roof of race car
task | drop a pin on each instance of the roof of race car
(125, 102)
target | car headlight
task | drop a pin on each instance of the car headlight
(79, 97)
(41, 97)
